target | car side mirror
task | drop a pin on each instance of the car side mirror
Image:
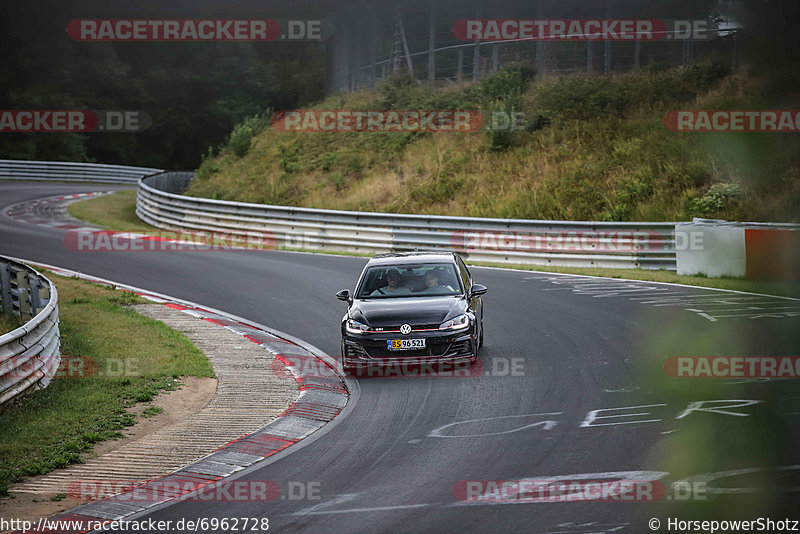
(344, 295)
(477, 290)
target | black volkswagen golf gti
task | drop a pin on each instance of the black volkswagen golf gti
(412, 308)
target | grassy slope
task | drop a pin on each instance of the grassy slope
(605, 154)
(136, 358)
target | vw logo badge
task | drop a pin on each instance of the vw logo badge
(405, 329)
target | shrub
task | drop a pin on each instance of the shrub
(289, 157)
(702, 76)
(399, 90)
(208, 165)
(718, 198)
(242, 134)
(239, 141)
(508, 82)
(337, 180)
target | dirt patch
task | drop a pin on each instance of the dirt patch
(193, 394)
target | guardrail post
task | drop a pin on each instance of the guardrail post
(33, 286)
(5, 287)
(24, 294)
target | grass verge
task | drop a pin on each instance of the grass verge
(114, 212)
(127, 358)
(117, 212)
(8, 322)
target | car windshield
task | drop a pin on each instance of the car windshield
(415, 280)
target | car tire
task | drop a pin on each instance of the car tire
(480, 339)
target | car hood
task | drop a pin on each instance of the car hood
(392, 312)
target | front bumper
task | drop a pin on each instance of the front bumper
(441, 347)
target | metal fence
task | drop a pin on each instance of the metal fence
(29, 355)
(63, 171)
(372, 40)
(558, 243)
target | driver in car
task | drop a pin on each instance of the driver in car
(432, 284)
(392, 286)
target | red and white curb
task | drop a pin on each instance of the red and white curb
(323, 396)
(51, 211)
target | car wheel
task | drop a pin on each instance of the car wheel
(480, 340)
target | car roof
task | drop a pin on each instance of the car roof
(412, 257)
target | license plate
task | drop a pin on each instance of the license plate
(406, 344)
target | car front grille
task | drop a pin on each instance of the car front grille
(435, 348)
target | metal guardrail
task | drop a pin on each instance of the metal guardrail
(71, 172)
(29, 355)
(560, 243)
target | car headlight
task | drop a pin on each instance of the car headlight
(354, 327)
(456, 323)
